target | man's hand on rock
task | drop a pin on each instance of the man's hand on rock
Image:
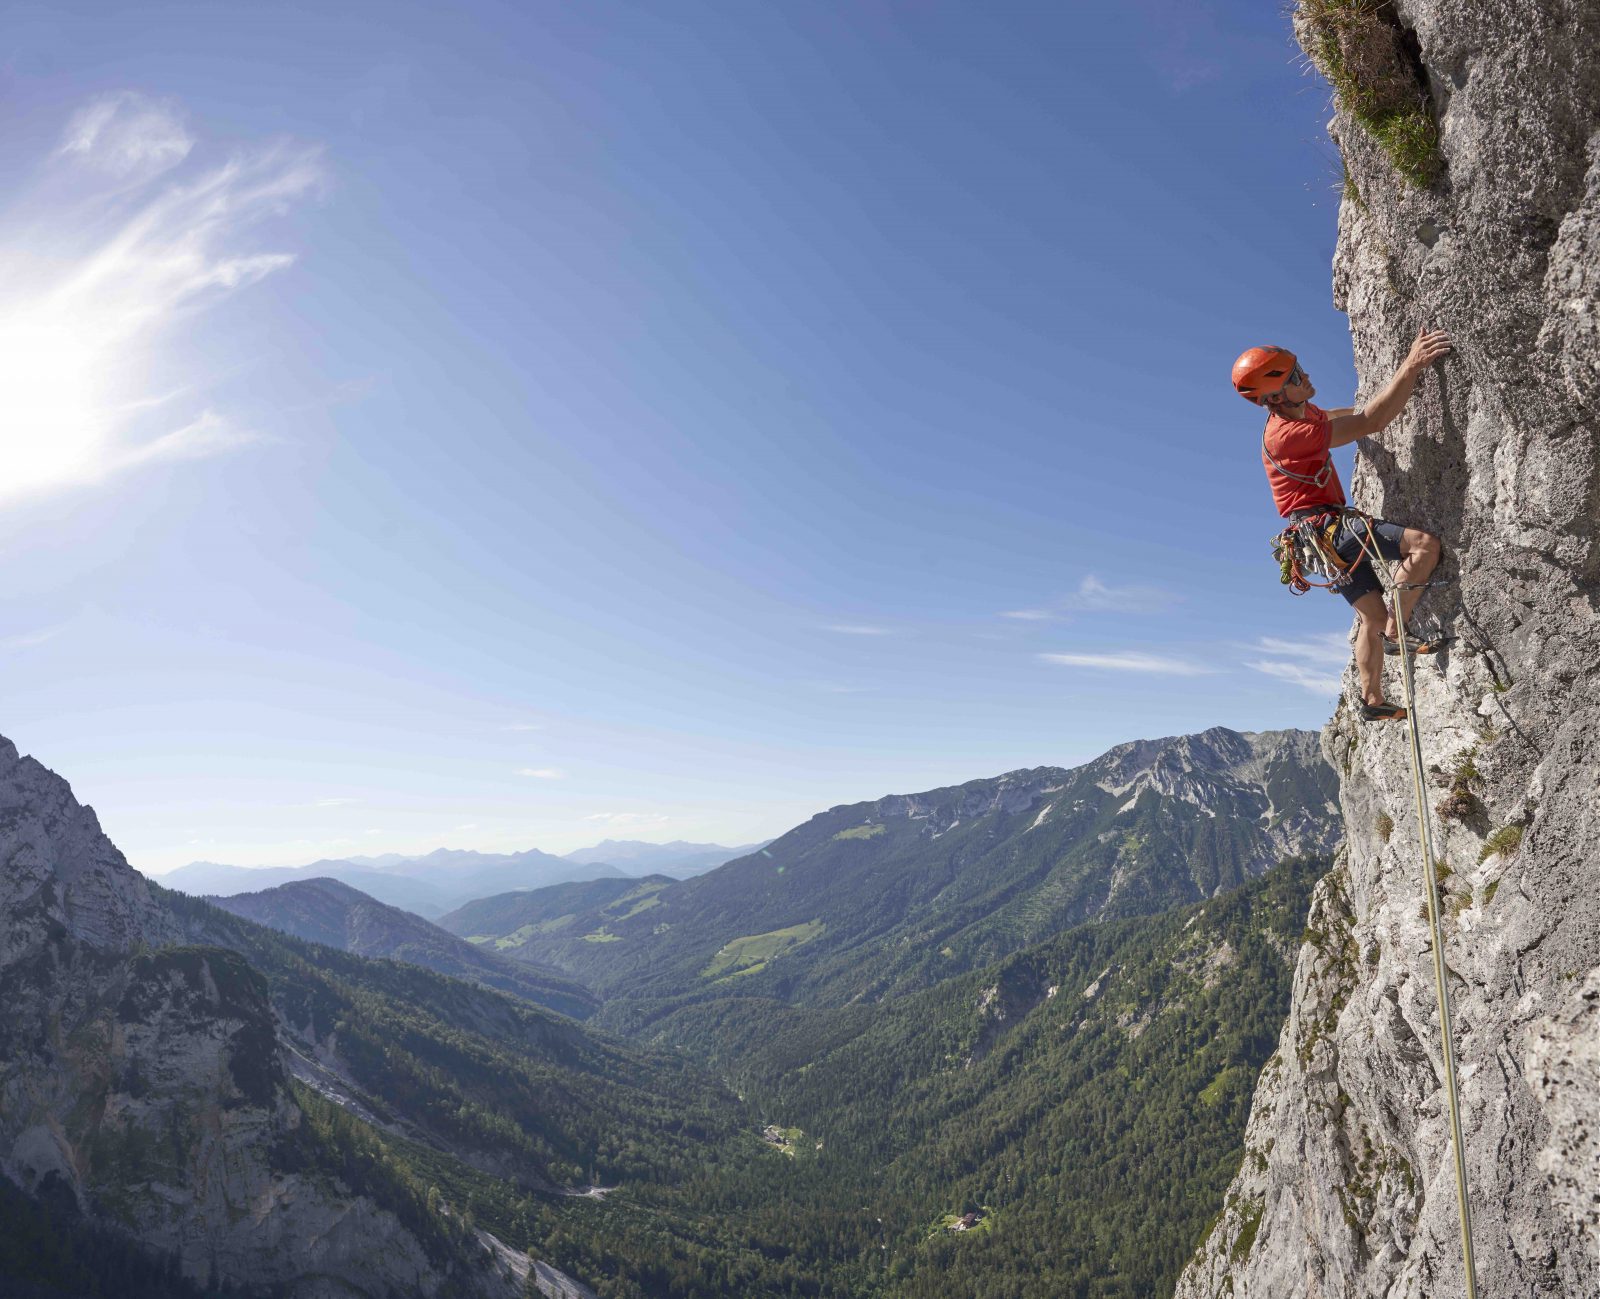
(1429, 346)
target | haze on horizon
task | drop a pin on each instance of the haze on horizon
(519, 428)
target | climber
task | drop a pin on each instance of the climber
(1295, 451)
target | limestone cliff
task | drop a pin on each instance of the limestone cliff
(1471, 135)
(142, 1084)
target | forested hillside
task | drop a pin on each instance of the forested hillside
(332, 913)
(1088, 1096)
(506, 922)
(499, 1082)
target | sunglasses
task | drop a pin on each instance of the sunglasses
(1296, 376)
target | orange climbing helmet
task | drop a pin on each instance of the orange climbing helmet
(1262, 372)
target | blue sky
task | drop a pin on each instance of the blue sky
(519, 425)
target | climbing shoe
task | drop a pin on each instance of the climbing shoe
(1417, 645)
(1382, 713)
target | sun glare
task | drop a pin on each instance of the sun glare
(119, 242)
(54, 382)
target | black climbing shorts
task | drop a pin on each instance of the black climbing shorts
(1385, 540)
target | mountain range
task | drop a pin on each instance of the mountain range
(870, 900)
(432, 883)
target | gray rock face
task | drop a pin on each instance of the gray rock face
(1241, 774)
(146, 1083)
(1347, 1187)
(61, 874)
(1260, 773)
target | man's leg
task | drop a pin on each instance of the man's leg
(1371, 610)
(1419, 554)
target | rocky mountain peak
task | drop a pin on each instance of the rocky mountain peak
(61, 870)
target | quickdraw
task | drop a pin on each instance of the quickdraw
(1307, 550)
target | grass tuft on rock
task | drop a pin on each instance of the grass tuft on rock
(1358, 45)
(1505, 841)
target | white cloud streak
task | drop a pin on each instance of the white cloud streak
(128, 133)
(856, 629)
(1297, 674)
(27, 640)
(1131, 661)
(542, 773)
(1314, 663)
(119, 245)
(634, 820)
(1329, 647)
(1094, 596)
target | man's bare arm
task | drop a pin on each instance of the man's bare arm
(1380, 412)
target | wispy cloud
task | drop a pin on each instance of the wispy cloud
(1307, 678)
(1326, 647)
(333, 802)
(542, 773)
(1095, 596)
(127, 133)
(122, 240)
(1313, 663)
(521, 726)
(28, 639)
(856, 629)
(630, 820)
(1131, 661)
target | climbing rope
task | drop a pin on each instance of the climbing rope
(1393, 588)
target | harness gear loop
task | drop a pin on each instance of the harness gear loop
(1309, 548)
(1436, 932)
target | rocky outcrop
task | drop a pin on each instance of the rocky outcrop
(1347, 1187)
(142, 1083)
(1273, 777)
(1277, 780)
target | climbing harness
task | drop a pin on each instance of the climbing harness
(1431, 878)
(1319, 480)
(1307, 550)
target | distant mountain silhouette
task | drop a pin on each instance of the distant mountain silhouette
(677, 858)
(426, 885)
(332, 913)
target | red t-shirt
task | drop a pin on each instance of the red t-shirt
(1301, 447)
